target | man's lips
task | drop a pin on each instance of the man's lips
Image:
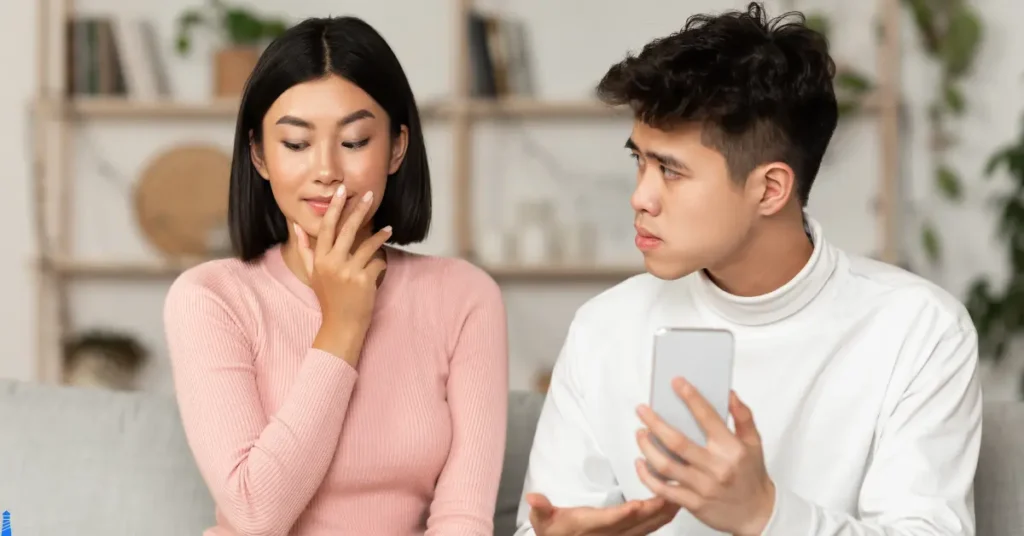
(645, 240)
(640, 231)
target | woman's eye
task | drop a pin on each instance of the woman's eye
(293, 146)
(355, 144)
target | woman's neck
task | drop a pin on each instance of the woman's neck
(293, 258)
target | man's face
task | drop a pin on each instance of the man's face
(690, 214)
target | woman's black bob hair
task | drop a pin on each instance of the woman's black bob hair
(350, 48)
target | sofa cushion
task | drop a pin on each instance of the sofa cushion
(999, 484)
(523, 413)
(94, 462)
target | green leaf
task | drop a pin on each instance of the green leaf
(1000, 158)
(272, 29)
(853, 81)
(1011, 218)
(186, 22)
(819, 23)
(961, 42)
(848, 107)
(948, 183)
(183, 44)
(924, 19)
(954, 99)
(190, 18)
(930, 243)
(243, 28)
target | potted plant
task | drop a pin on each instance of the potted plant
(104, 359)
(242, 32)
(998, 309)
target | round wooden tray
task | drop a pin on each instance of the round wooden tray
(181, 199)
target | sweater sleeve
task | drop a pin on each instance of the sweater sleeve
(920, 482)
(466, 491)
(262, 470)
(566, 463)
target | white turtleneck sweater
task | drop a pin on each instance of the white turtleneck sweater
(862, 379)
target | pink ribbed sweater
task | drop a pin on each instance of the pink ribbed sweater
(292, 440)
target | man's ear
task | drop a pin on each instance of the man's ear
(256, 155)
(398, 147)
(779, 187)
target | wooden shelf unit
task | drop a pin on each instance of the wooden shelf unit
(145, 269)
(112, 108)
(54, 116)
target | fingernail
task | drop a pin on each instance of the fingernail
(340, 192)
(387, 229)
(368, 196)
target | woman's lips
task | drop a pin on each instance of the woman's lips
(321, 204)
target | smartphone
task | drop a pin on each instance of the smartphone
(704, 358)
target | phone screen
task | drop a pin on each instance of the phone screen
(704, 357)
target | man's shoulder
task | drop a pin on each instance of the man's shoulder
(899, 288)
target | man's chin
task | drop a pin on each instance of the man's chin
(667, 269)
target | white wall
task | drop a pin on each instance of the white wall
(570, 55)
(17, 308)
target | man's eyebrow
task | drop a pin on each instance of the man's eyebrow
(664, 159)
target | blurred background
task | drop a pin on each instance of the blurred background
(119, 115)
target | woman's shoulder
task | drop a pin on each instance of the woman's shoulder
(224, 284)
(453, 277)
(215, 275)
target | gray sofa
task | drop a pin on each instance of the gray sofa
(89, 463)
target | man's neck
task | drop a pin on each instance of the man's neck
(772, 257)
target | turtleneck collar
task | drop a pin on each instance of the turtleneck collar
(780, 303)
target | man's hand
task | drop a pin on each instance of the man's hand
(725, 484)
(633, 518)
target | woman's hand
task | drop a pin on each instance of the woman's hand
(345, 282)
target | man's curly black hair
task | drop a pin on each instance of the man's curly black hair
(761, 88)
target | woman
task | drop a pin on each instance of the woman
(329, 383)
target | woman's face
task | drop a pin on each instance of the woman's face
(319, 135)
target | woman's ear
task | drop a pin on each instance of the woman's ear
(398, 146)
(256, 155)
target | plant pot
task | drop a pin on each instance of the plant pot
(231, 69)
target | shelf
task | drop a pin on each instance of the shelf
(563, 273)
(97, 269)
(530, 108)
(121, 108)
(510, 108)
(115, 108)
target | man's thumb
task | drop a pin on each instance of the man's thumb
(540, 506)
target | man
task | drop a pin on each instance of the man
(856, 408)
